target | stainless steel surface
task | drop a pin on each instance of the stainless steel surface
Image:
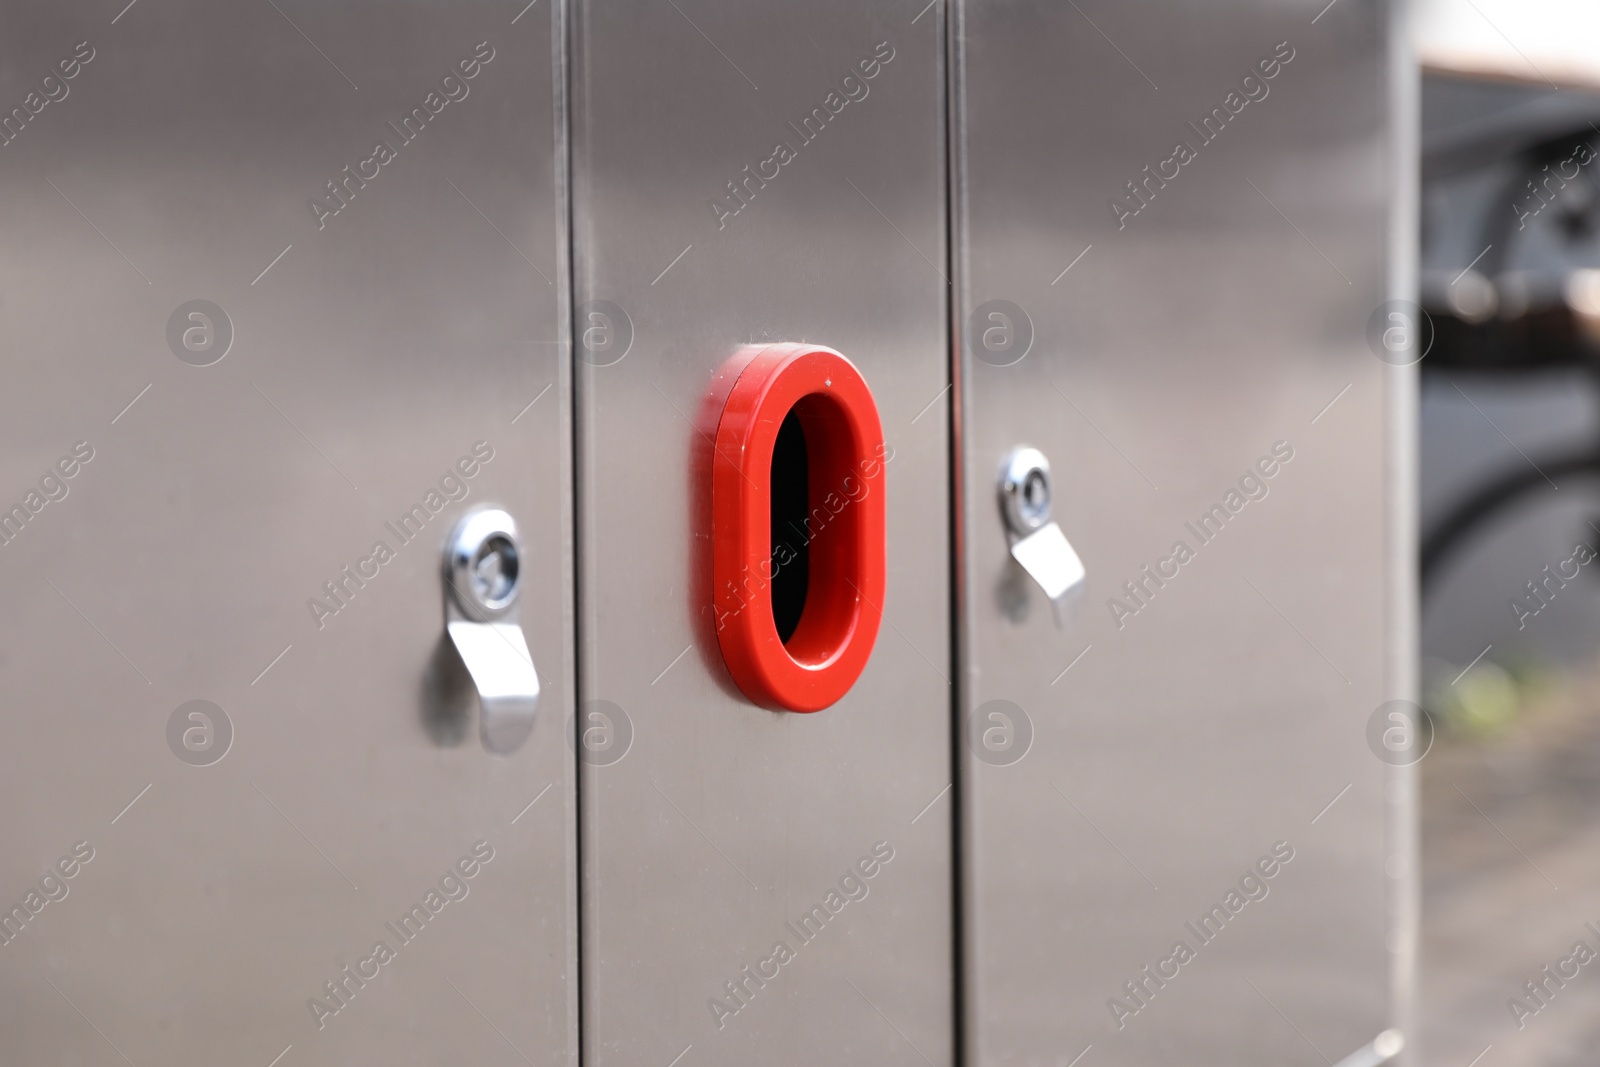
(482, 572)
(725, 830)
(214, 551)
(305, 329)
(1195, 343)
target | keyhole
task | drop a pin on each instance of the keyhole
(1036, 496)
(494, 570)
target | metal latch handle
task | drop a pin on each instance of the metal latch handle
(482, 574)
(1038, 544)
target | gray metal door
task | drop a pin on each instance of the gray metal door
(1171, 237)
(750, 174)
(281, 303)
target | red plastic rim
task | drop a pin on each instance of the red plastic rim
(845, 527)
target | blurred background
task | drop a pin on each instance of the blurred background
(1510, 516)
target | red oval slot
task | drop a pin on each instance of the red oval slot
(842, 534)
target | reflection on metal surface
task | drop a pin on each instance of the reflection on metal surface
(1385, 1047)
(481, 576)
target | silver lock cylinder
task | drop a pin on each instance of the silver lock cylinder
(483, 576)
(1037, 544)
(1025, 490)
(484, 565)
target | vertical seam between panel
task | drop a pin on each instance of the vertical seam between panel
(952, 27)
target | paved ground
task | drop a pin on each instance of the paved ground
(1511, 874)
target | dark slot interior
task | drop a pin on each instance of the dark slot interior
(790, 549)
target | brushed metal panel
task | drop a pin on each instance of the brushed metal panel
(368, 356)
(1224, 315)
(724, 822)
